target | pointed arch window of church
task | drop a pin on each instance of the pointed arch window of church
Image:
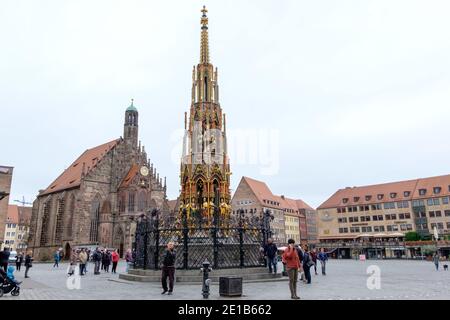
(59, 228)
(142, 201)
(95, 214)
(45, 222)
(131, 201)
(122, 203)
(71, 213)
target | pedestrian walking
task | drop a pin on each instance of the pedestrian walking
(314, 259)
(291, 259)
(323, 258)
(19, 261)
(270, 252)
(300, 258)
(97, 258)
(168, 269)
(88, 254)
(28, 263)
(129, 259)
(4, 259)
(107, 260)
(103, 259)
(436, 260)
(115, 260)
(82, 256)
(307, 263)
(72, 262)
(56, 258)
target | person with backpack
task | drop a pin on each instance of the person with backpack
(97, 258)
(307, 263)
(56, 258)
(291, 259)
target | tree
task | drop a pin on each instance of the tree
(412, 236)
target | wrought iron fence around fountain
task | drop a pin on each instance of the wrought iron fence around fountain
(235, 245)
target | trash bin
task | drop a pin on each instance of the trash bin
(230, 286)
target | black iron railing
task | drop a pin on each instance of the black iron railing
(236, 246)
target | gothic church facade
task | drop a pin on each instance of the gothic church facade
(97, 200)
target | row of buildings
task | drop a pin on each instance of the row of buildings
(291, 218)
(14, 220)
(373, 220)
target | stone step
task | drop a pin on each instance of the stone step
(246, 277)
(218, 272)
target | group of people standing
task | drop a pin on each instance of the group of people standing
(102, 259)
(296, 259)
(21, 258)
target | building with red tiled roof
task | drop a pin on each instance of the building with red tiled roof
(97, 199)
(16, 228)
(289, 215)
(6, 174)
(386, 211)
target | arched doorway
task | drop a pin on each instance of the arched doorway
(119, 241)
(67, 251)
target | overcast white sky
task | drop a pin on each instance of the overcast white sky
(358, 91)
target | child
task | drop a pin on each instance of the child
(10, 275)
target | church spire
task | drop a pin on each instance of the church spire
(204, 45)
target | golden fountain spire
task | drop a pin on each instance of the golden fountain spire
(204, 49)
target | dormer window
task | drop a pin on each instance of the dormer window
(406, 193)
(345, 200)
(422, 192)
(393, 195)
(368, 198)
(355, 199)
(380, 196)
(437, 190)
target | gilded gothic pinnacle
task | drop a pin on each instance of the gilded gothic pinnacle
(204, 50)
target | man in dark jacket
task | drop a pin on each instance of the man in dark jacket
(4, 259)
(28, 263)
(97, 258)
(307, 263)
(270, 251)
(168, 269)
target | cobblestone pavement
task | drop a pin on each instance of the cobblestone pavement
(345, 279)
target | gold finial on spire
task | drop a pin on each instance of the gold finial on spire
(204, 50)
(204, 20)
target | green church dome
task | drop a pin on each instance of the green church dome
(132, 107)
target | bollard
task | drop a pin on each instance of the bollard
(206, 281)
